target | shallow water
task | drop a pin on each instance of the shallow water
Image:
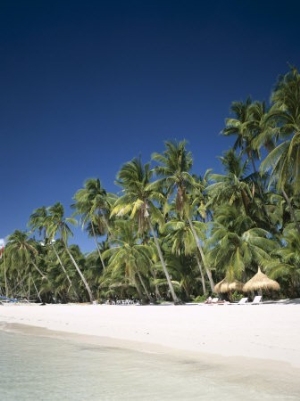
(46, 368)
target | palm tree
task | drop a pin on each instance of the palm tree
(237, 188)
(58, 278)
(237, 244)
(283, 162)
(231, 187)
(246, 125)
(91, 203)
(137, 200)
(23, 250)
(285, 263)
(57, 224)
(39, 221)
(253, 130)
(173, 171)
(21, 253)
(182, 268)
(265, 135)
(174, 175)
(129, 255)
(183, 242)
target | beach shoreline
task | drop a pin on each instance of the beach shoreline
(261, 339)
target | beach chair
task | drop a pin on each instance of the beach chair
(242, 301)
(257, 300)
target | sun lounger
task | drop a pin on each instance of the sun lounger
(256, 300)
(242, 301)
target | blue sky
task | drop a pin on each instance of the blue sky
(87, 86)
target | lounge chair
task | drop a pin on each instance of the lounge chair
(256, 300)
(242, 301)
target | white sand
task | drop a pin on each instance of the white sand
(268, 332)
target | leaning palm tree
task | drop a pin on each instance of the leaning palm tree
(92, 204)
(138, 201)
(58, 224)
(23, 249)
(38, 221)
(183, 242)
(128, 254)
(59, 279)
(173, 171)
(21, 253)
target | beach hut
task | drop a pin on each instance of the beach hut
(228, 286)
(261, 282)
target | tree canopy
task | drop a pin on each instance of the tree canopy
(173, 232)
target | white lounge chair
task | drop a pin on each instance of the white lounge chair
(256, 300)
(242, 301)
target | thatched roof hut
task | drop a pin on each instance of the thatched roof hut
(228, 286)
(261, 282)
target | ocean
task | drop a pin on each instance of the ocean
(41, 368)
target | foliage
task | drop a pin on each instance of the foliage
(172, 232)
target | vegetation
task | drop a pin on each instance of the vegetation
(173, 233)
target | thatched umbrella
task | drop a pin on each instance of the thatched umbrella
(228, 286)
(236, 285)
(261, 282)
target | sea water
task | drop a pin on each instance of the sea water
(44, 368)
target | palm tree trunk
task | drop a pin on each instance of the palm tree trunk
(39, 271)
(174, 296)
(157, 293)
(202, 275)
(144, 286)
(97, 245)
(38, 294)
(80, 274)
(208, 272)
(62, 266)
(138, 289)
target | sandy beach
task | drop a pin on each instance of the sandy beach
(263, 337)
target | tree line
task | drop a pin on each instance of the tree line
(172, 234)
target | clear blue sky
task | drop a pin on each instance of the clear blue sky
(87, 86)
